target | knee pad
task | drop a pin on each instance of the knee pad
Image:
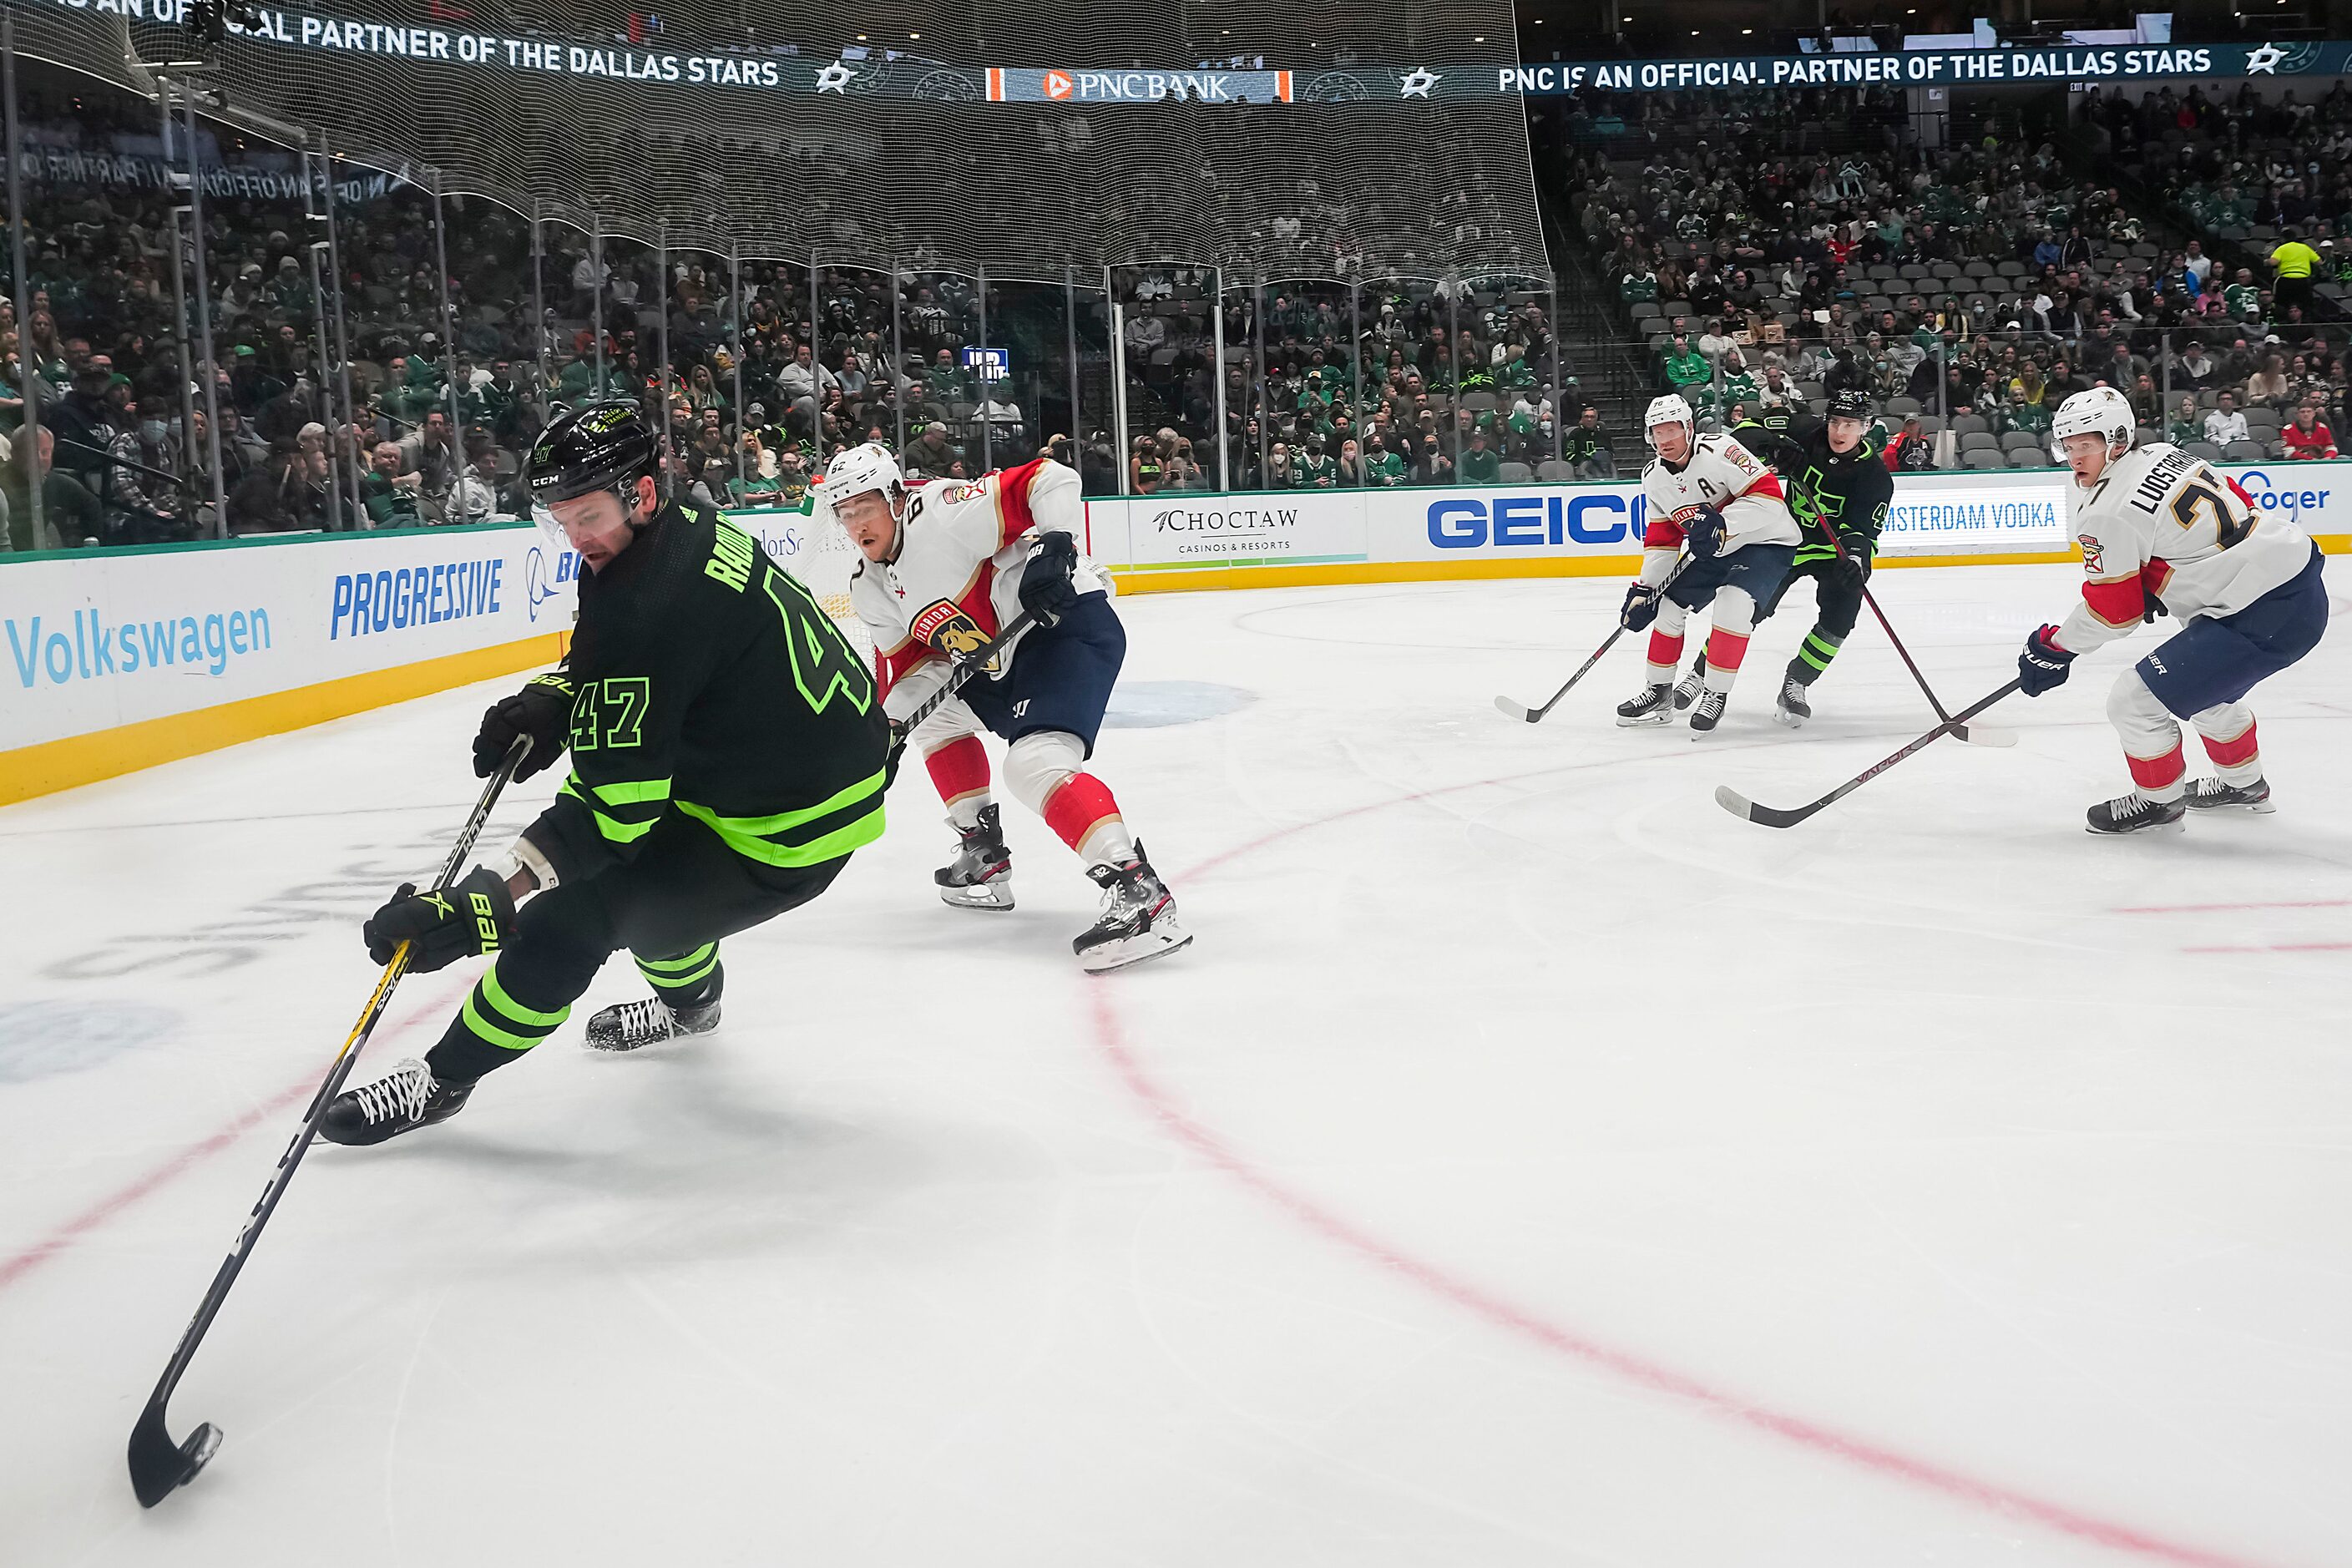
(2148, 729)
(952, 721)
(1036, 763)
(1734, 611)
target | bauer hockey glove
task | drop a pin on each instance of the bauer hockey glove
(1641, 607)
(2043, 666)
(542, 709)
(466, 918)
(1706, 534)
(1046, 590)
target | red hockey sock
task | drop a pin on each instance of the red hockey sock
(2237, 752)
(1725, 649)
(1086, 817)
(1665, 651)
(2158, 778)
(960, 770)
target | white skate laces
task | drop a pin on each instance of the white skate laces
(645, 1023)
(399, 1095)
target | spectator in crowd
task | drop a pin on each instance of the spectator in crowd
(2186, 424)
(390, 495)
(1146, 470)
(931, 455)
(2226, 424)
(1585, 448)
(2306, 437)
(1479, 465)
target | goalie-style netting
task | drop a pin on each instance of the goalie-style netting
(892, 147)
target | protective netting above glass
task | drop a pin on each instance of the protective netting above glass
(1321, 138)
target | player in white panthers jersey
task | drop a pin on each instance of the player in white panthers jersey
(947, 565)
(1714, 495)
(2162, 532)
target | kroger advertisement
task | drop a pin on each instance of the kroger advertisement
(1933, 514)
(96, 639)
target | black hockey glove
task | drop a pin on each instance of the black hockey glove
(1706, 534)
(1047, 589)
(1853, 561)
(542, 709)
(470, 917)
(1641, 607)
(2043, 666)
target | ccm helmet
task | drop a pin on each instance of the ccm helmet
(600, 447)
(1850, 403)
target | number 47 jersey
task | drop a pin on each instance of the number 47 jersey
(2160, 523)
(710, 685)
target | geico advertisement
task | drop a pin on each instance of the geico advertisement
(95, 639)
(1949, 513)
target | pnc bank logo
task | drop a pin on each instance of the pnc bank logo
(1058, 84)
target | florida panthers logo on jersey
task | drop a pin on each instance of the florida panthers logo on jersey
(2091, 551)
(947, 628)
(951, 494)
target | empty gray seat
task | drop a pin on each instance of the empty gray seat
(2246, 451)
(1970, 424)
(1551, 470)
(1983, 460)
(1516, 473)
(2021, 441)
(2025, 459)
(2205, 450)
(1978, 440)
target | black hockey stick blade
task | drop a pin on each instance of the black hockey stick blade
(160, 1466)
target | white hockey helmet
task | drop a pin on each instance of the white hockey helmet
(2102, 411)
(1671, 409)
(869, 467)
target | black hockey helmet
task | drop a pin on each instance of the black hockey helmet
(599, 447)
(1850, 403)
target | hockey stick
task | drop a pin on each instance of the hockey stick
(158, 1465)
(1738, 805)
(1511, 709)
(964, 669)
(1973, 734)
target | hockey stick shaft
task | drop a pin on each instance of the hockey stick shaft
(157, 1464)
(1773, 818)
(1532, 715)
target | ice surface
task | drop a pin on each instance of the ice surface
(1529, 1163)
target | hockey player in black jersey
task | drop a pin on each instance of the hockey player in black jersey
(728, 754)
(1839, 489)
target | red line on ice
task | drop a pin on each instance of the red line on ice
(65, 1235)
(2223, 909)
(1799, 1430)
(2279, 947)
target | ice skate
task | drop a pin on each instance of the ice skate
(632, 1026)
(1138, 917)
(981, 876)
(404, 1100)
(1653, 705)
(1792, 708)
(1709, 711)
(1687, 692)
(2135, 812)
(2212, 795)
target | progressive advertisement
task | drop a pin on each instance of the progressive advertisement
(94, 639)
